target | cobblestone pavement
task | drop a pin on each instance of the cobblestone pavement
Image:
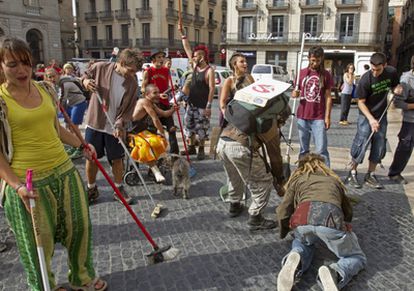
(219, 253)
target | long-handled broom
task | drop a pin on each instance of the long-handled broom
(157, 207)
(39, 246)
(158, 254)
(192, 170)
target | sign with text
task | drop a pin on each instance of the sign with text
(261, 91)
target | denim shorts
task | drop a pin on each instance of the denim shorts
(104, 143)
(378, 141)
(76, 112)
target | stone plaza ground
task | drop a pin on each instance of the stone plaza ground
(219, 253)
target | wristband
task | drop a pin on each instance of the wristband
(20, 185)
(81, 147)
(183, 37)
(208, 105)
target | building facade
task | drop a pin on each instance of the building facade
(149, 24)
(46, 25)
(270, 31)
(406, 49)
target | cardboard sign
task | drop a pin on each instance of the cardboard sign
(261, 91)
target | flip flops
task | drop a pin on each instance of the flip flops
(91, 286)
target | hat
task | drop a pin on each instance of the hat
(68, 66)
(154, 52)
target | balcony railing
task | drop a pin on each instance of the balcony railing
(123, 43)
(290, 38)
(212, 2)
(143, 13)
(93, 43)
(212, 24)
(91, 16)
(123, 14)
(172, 14)
(159, 43)
(348, 3)
(198, 20)
(311, 4)
(248, 6)
(33, 10)
(108, 43)
(277, 5)
(187, 18)
(106, 15)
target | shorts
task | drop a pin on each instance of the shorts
(105, 144)
(77, 112)
(196, 123)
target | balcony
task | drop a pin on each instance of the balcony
(172, 14)
(224, 5)
(246, 6)
(277, 5)
(123, 14)
(159, 43)
(311, 4)
(212, 2)
(123, 43)
(348, 4)
(143, 13)
(107, 15)
(107, 43)
(33, 10)
(212, 24)
(91, 16)
(198, 20)
(187, 18)
(93, 43)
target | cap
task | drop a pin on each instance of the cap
(154, 52)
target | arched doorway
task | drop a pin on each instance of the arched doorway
(35, 40)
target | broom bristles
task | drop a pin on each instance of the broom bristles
(170, 254)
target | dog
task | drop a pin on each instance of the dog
(180, 172)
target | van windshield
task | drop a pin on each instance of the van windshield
(261, 70)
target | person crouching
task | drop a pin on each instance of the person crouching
(315, 207)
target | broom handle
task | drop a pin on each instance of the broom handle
(101, 168)
(179, 118)
(39, 247)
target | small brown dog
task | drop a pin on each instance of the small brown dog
(180, 174)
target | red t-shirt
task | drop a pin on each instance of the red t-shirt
(312, 94)
(159, 77)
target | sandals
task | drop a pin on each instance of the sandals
(92, 285)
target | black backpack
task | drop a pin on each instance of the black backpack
(76, 81)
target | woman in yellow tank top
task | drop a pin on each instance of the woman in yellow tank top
(32, 138)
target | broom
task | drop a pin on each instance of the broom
(40, 253)
(158, 254)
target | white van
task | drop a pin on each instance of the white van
(265, 71)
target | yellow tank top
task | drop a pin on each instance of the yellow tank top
(35, 141)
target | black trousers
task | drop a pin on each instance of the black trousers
(345, 105)
(168, 122)
(404, 149)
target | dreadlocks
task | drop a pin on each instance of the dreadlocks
(310, 164)
(318, 52)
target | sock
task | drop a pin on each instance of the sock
(118, 185)
(353, 172)
(90, 186)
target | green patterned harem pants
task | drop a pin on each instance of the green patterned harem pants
(63, 216)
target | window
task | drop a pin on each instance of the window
(146, 6)
(146, 36)
(171, 30)
(278, 58)
(94, 35)
(197, 35)
(311, 24)
(108, 32)
(197, 11)
(277, 26)
(108, 6)
(210, 38)
(171, 4)
(312, 2)
(347, 25)
(92, 5)
(210, 14)
(125, 34)
(247, 27)
(124, 5)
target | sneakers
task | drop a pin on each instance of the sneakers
(201, 155)
(352, 180)
(372, 181)
(258, 222)
(93, 194)
(328, 278)
(159, 178)
(191, 150)
(344, 122)
(127, 198)
(286, 277)
(76, 154)
(398, 179)
(235, 209)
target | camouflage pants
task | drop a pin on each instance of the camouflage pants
(236, 160)
(196, 123)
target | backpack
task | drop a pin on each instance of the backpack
(75, 81)
(251, 119)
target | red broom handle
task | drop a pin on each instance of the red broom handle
(118, 193)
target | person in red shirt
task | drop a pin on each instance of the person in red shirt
(54, 65)
(159, 75)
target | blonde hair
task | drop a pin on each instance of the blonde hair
(131, 57)
(311, 163)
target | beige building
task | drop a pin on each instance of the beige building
(149, 24)
(270, 31)
(406, 48)
(46, 24)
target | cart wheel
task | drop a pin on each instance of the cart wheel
(131, 178)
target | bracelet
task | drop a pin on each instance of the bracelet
(81, 147)
(208, 105)
(183, 37)
(20, 185)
